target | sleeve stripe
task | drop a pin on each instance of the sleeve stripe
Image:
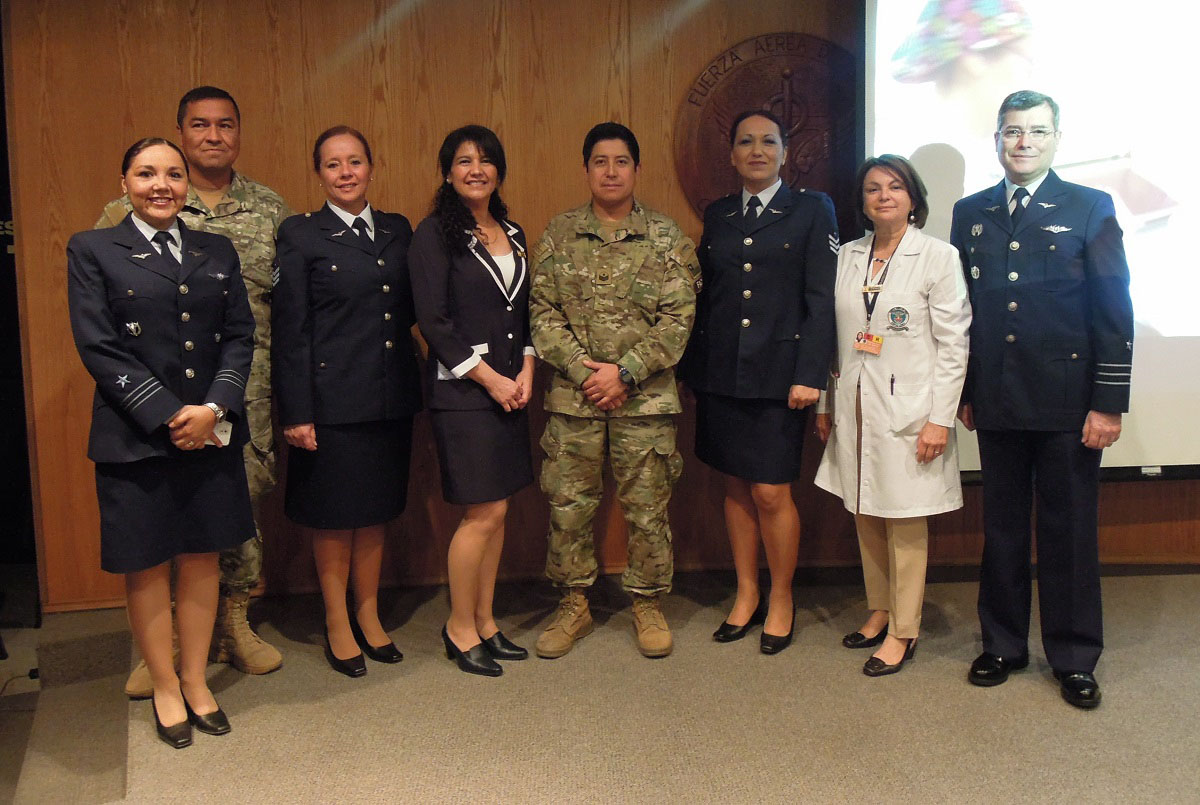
(150, 393)
(1117, 365)
(1114, 374)
(1111, 383)
(139, 388)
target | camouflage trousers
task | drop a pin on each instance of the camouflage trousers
(645, 464)
(241, 566)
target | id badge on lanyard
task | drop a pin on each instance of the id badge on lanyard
(865, 340)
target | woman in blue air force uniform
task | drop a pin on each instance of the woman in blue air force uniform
(758, 355)
(161, 321)
(347, 385)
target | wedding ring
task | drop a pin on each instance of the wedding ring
(191, 444)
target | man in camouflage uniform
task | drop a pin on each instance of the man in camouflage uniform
(611, 306)
(223, 201)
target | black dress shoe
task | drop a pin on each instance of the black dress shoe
(175, 736)
(214, 723)
(877, 667)
(727, 632)
(992, 669)
(1079, 688)
(355, 666)
(385, 653)
(773, 644)
(859, 640)
(501, 648)
(475, 660)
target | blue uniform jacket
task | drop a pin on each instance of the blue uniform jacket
(341, 313)
(764, 315)
(1052, 333)
(156, 338)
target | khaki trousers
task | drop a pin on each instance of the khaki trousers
(895, 551)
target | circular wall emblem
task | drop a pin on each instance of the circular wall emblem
(808, 82)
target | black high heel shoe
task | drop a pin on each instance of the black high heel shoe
(475, 660)
(859, 640)
(386, 653)
(877, 667)
(176, 736)
(214, 723)
(728, 633)
(354, 667)
(773, 644)
(501, 648)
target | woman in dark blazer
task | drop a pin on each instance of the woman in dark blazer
(758, 355)
(347, 386)
(161, 321)
(471, 285)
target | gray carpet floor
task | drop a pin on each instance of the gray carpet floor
(710, 723)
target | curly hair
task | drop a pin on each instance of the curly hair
(456, 219)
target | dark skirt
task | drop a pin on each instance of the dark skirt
(357, 476)
(484, 455)
(157, 508)
(756, 440)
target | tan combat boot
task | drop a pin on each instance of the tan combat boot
(140, 685)
(236, 643)
(572, 621)
(653, 634)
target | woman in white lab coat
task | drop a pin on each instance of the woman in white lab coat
(888, 417)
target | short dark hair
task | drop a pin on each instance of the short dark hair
(205, 93)
(766, 113)
(903, 170)
(149, 142)
(1022, 100)
(335, 131)
(611, 131)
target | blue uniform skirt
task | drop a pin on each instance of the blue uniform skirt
(157, 508)
(357, 476)
(756, 440)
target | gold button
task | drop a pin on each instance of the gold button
(322, 364)
(1010, 338)
(972, 250)
(1012, 276)
(388, 344)
(189, 373)
(1012, 305)
(183, 289)
(185, 316)
(510, 335)
(745, 322)
(745, 294)
(788, 245)
(189, 346)
(380, 261)
(1014, 245)
(333, 268)
(796, 336)
(217, 337)
(1074, 356)
(603, 277)
(129, 292)
(745, 267)
(509, 308)
(387, 316)
(749, 241)
(1051, 247)
(387, 288)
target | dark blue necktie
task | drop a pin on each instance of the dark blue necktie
(1019, 197)
(165, 241)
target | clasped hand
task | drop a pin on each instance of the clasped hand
(192, 426)
(604, 387)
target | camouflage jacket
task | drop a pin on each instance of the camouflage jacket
(249, 216)
(624, 297)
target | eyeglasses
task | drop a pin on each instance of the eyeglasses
(1035, 135)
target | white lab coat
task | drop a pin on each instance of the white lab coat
(923, 315)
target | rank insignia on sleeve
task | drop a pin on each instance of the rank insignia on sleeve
(834, 243)
(977, 230)
(133, 328)
(698, 284)
(122, 380)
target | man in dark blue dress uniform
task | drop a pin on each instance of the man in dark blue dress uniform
(1048, 380)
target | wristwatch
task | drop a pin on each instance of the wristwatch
(219, 410)
(625, 376)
